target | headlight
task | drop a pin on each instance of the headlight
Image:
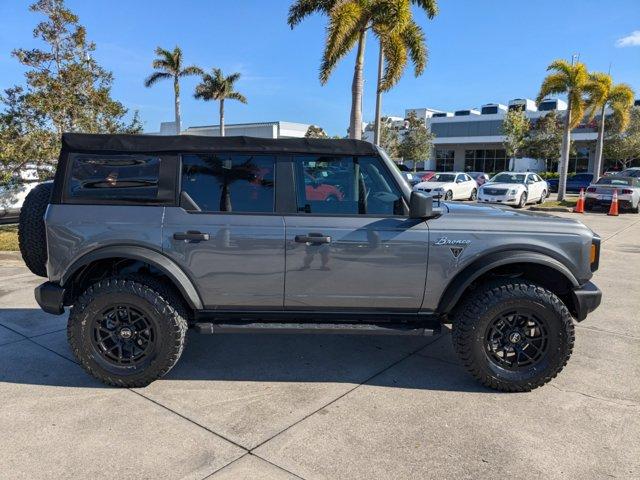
(438, 189)
(513, 191)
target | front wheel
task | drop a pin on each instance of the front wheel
(513, 336)
(126, 333)
(448, 196)
(474, 194)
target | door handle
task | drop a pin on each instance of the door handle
(313, 238)
(191, 236)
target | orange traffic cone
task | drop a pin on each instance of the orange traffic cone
(580, 204)
(614, 204)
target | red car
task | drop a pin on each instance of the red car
(321, 192)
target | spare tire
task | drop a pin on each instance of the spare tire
(32, 237)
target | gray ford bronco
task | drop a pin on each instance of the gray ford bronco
(145, 237)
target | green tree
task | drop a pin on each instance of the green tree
(515, 128)
(349, 21)
(544, 139)
(417, 142)
(216, 86)
(623, 146)
(571, 79)
(169, 66)
(602, 93)
(66, 91)
(389, 138)
(315, 132)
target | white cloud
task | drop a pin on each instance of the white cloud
(631, 40)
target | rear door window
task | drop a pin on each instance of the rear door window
(114, 177)
(229, 182)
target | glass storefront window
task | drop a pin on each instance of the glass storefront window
(444, 160)
(488, 161)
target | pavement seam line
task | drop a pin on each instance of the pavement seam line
(210, 475)
(188, 419)
(620, 231)
(594, 397)
(410, 354)
(608, 332)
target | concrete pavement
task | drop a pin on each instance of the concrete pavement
(282, 407)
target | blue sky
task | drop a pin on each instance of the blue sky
(480, 52)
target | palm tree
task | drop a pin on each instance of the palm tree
(400, 37)
(602, 93)
(571, 79)
(169, 66)
(218, 87)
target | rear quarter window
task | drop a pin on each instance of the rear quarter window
(114, 177)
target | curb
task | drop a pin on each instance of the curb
(551, 209)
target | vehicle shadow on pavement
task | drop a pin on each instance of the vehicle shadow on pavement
(294, 358)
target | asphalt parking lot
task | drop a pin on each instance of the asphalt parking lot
(279, 406)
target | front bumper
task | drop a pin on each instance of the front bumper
(585, 300)
(504, 199)
(50, 297)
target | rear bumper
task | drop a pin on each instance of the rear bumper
(50, 297)
(586, 299)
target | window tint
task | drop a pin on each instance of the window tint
(229, 182)
(345, 185)
(114, 177)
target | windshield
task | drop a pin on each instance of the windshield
(625, 182)
(443, 177)
(632, 172)
(509, 178)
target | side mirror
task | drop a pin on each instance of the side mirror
(420, 206)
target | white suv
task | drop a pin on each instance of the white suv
(513, 188)
(450, 185)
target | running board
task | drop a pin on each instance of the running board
(312, 327)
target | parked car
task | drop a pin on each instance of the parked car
(575, 182)
(516, 189)
(449, 186)
(601, 193)
(12, 196)
(144, 237)
(630, 172)
(424, 175)
(480, 177)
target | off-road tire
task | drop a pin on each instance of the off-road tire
(32, 237)
(472, 318)
(165, 309)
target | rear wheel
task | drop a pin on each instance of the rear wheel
(523, 200)
(543, 197)
(513, 336)
(125, 333)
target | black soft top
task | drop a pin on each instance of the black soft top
(81, 142)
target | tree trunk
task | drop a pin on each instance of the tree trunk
(222, 117)
(563, 167)
(355, 125)
(376, 133)
(597, 163)
(176, 90)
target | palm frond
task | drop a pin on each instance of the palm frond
(414, 39)
(395, 55)
(190, 71)
(621, 100)
(554, 83)
(304, 8)
(346, 21)
(155, 77)
(237, 96)
(429, 6)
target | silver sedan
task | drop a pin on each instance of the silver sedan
(601, 193)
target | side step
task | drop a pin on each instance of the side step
(312, 327)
